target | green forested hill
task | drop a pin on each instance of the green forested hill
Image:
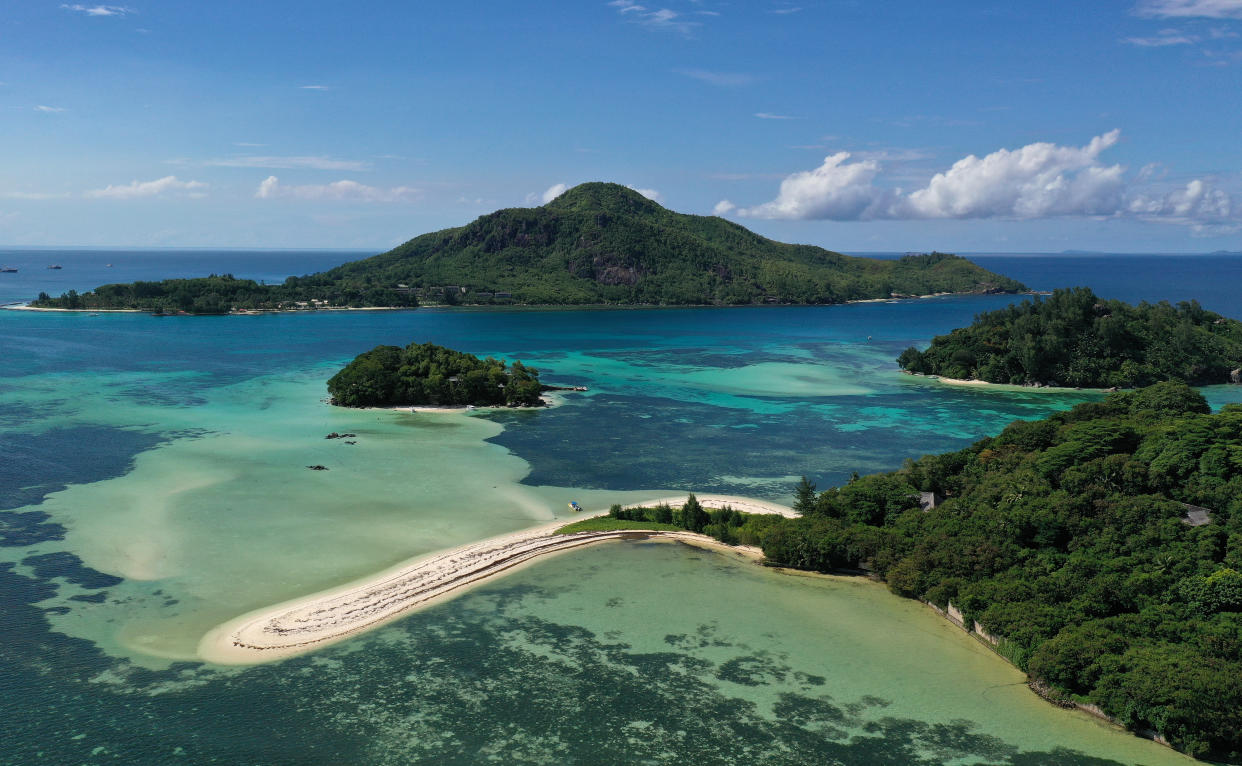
(597, 243)
(605, 243)
(1102, 546)
(1075, 338)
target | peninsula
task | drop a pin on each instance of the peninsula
(596, 244)
(1098, 550)
(1076, 339)
(323, 618)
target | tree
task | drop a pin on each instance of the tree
(693, 517)
(804, 502)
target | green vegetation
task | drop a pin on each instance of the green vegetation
(1076, 339)
(597, 243)
(1067, 538)
(220, 294)
(725, 524)
(609, 524)
(426, 374)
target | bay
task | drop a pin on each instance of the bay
(155, 483)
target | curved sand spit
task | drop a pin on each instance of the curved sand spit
(308, 623)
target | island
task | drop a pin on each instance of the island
(1076, 339)
(596, 244)
(424, 374)
(1099, 550)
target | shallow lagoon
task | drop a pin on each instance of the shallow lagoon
(156, 485)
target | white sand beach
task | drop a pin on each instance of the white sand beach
(323, 618)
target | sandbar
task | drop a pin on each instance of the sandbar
(314, 621)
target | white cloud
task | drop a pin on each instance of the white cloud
(1164, 38)
(290, 163)
(724, 207)
(49, 109)
(1197, 201)
(650, 194)
(315, 87)
(1040, 180)
(663, 18)
(156, 188)
(785, 11)
(1211, 9)
(723, 79)
(551, 193)
(770, 116)
(837, 190)
(98, 10)
(337, 191)
(1036, 181)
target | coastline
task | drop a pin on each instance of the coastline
(308, 623)
(25, 306)
(983, 384)
(550, 399)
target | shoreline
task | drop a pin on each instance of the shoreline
(320, 619)
(983, 384)
(551, 399)
(25, 306)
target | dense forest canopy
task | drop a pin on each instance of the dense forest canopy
(1078, 540)
(597, 243)
(220, 294)
(427, 374)
(1077, 339)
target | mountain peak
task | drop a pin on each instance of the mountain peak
(597, 196)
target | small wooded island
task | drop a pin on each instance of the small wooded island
(1099, 550)
(596, 244)
(1077, 339)
(424, 374)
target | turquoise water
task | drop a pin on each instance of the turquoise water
(155, 484)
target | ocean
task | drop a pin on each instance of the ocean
(154, 484)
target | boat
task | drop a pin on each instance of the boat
(7, 270)
(573, 506)
(55, 266)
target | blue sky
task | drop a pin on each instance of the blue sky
(858, 126)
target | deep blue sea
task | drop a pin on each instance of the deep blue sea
(145, 464)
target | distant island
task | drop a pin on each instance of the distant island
(596, 244)
(1099, 550)
(424, 374)
(1077, 339)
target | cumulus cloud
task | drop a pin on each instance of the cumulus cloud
(1196, 202)
(1211, 9)
(337, 191)
(1040, 180)
(289, 163)
(98, 10)
(837, 190)
(1036, 181)
(168, 185)
(650, 194)
(551, 193)
(49, 109)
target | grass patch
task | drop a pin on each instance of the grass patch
(608, 524)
